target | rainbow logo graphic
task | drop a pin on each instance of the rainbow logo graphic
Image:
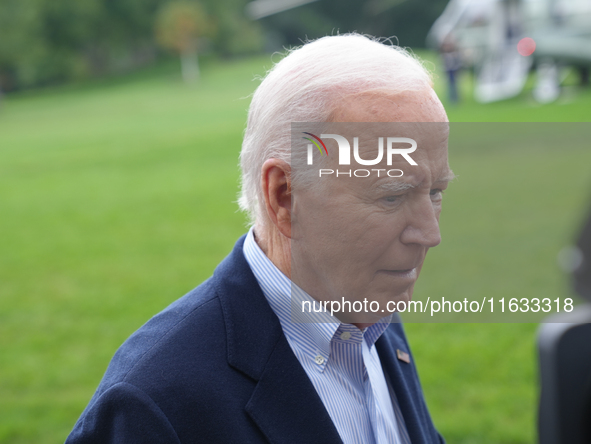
(316, 143)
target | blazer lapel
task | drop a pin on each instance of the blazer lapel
(406, 385)
(284, 403)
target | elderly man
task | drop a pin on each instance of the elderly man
(236, 360)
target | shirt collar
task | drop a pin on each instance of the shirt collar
(316, 329)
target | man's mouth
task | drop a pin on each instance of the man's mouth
(408, 273)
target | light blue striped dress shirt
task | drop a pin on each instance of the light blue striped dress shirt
(340, 360)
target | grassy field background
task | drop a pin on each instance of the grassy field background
(117, 197)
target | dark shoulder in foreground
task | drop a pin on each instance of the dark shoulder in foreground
(163, 384)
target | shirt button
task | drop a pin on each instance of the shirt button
(345, 335)
(319, 360)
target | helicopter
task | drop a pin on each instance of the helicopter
(502, 40)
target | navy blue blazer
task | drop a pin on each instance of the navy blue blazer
(215, 367)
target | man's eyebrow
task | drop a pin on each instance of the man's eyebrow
(394, 187)
(399, 186)
(447, 177)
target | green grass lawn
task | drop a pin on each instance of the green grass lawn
(118, 197)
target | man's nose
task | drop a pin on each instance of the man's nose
(422, 224)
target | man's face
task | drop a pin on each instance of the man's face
(366, 237)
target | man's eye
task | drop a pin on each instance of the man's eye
(391, 199)
(436, 194)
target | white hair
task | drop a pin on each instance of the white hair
(306, 86)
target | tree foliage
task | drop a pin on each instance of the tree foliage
(47, 41)
(179, 25)
(51, 41)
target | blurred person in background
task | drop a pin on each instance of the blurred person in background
(225, 363)
(452, 63)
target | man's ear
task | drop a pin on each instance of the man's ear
(276, 185)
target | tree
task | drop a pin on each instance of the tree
(179, 24)
(45, 42)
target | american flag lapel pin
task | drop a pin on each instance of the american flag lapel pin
(403, 356)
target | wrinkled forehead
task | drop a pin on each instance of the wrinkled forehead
(418, 115)
(375, 133)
